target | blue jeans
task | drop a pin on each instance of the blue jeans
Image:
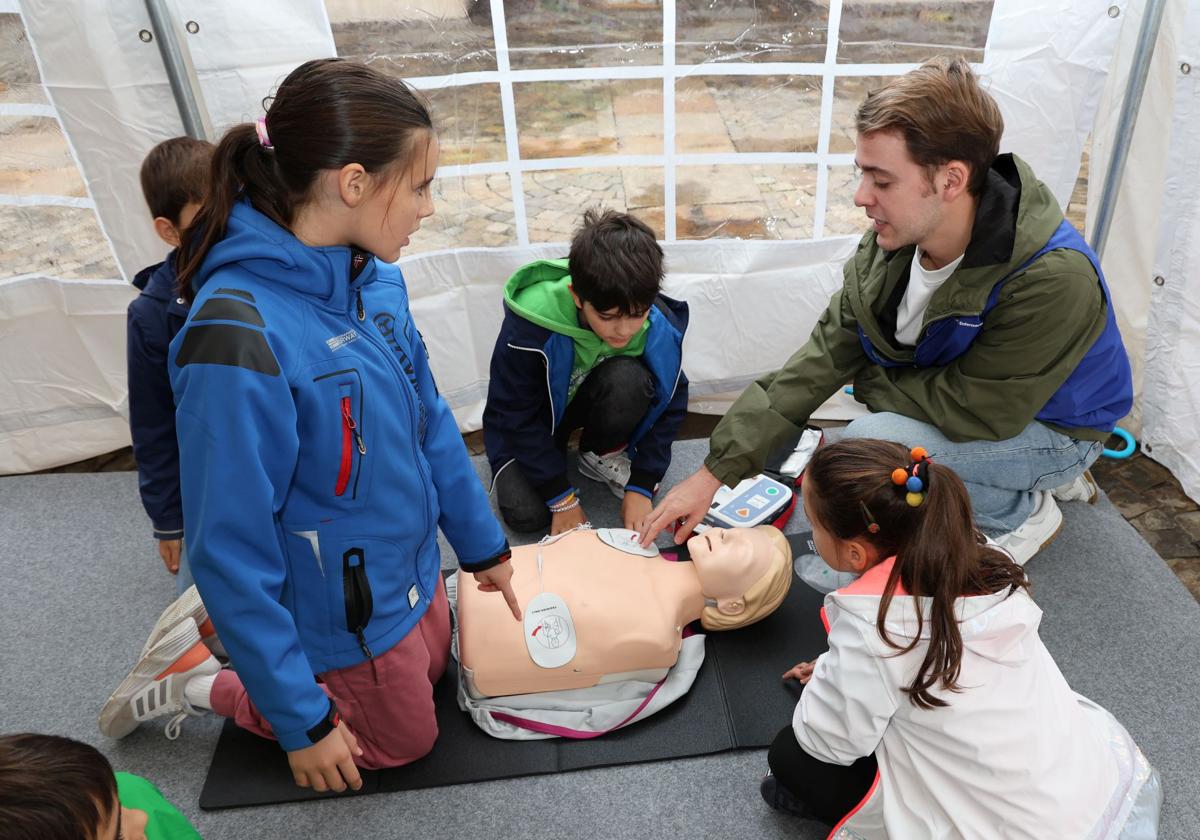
(1001, 475)
(184, 579)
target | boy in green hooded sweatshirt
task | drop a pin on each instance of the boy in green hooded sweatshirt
(587, 342)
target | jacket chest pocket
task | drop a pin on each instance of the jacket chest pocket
(339, 436)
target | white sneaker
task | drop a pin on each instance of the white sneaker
(1035, 533)
(1082, 489)
(187, 605)
(612, 470)
(155, 685)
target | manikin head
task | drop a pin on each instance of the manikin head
(746, 571)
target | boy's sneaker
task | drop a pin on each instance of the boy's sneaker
(187, 605)
(1035, 533)
(781, 799)
(612, 469)
(155, 685)
(1082, 489)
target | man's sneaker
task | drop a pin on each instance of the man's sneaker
(187, 605)
(155, 685)
(1035, 533)
(612, 469)
(1082, 489)
(781, 799)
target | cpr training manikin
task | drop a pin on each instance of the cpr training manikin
(604, 640)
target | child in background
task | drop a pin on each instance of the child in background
(317, 457)
(588, 342)
(937, 711)
(54, 788)
(174, 177)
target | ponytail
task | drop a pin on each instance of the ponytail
(939, 554)
(326, 114)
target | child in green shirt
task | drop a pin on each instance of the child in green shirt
(54, 788)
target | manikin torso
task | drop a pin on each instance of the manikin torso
(628, 611)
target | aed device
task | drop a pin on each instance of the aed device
(758, 500)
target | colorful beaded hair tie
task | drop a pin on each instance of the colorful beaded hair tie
(915, 479)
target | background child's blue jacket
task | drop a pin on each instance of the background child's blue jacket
(527, 397)
(318, 461)
(153, 319)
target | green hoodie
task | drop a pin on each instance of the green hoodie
(165, 822)
(1046, 320)
(540, 293)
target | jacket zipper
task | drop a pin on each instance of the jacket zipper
(349, 432)
(406, 387)
(356, 590)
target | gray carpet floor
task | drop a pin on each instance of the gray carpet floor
(82, 584)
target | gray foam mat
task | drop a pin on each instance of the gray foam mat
(83, 585)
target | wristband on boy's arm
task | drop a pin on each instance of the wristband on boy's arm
(641, 491)
(564, 501)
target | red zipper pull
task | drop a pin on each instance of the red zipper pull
(352, 426)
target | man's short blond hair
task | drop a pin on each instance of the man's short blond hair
(942, 113)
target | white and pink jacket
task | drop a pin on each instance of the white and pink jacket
(1016, 753)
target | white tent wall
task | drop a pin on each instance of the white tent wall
(1171, 396)
(1129, 255)
(752, 301)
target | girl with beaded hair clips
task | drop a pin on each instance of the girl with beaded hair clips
(937, 711)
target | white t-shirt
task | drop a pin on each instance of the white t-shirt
(921, 286)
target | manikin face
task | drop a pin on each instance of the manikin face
(729, 561)
(395, 207)
(895, 191)
(615, 329)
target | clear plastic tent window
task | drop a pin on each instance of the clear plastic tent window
(727, 126)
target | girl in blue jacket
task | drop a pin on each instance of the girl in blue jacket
(317, 458)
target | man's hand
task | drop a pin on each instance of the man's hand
(499, 579)
(802, 672)
(634, 508)
(567, 520)
(688, 501)
(169, 551)
(329, 763)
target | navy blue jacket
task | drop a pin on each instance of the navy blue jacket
(527, 398)
(153, 319)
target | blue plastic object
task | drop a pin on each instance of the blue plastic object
(914, 485)
(1125, 451)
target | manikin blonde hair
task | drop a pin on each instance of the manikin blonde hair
(764, 596)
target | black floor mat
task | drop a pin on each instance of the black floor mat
(737, 701)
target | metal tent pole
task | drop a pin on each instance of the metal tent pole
(182, 75)
(1138, 71)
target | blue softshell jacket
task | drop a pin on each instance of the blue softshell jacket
(527, 398)
(318, 461)
(154, 318)
(1097, 394)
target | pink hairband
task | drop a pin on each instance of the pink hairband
(260, 128)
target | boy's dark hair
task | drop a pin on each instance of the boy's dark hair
(174, 173)
(939, 554)
(326, 114)
(53, 788)
(615, 262)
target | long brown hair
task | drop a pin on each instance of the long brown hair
(939, 554)
(326, 114)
